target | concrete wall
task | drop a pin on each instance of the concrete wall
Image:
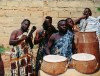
(12, 12)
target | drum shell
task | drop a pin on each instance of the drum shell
(87, 42)
(86, 67)
(54, 68)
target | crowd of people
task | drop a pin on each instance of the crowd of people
(54, 41)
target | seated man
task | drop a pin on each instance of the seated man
(61, 43)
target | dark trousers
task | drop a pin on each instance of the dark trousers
(39, 59)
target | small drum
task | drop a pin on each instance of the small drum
(84, 63)
(54, 64)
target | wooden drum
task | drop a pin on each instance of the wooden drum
(54, 64)
(84, 63)
(87, 42)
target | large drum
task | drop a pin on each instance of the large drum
(54, 64)
(87, 42)
(84, 63)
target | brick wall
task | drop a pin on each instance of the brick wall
(12, 12)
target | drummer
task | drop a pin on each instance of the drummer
(89, 23)
(83, 19)
(61, 42)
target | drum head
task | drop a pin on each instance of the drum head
(54, 58)
(83, 57)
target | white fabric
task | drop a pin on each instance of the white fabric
(91, 24)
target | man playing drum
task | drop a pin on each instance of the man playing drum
(61, 42)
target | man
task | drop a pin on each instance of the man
(41, 38)
(61, 43)
(82, 21)
(21, 43)
(87, 23)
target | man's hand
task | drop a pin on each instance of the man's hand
(23, 37)
(83, 17)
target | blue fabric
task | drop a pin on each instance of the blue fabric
(63, 46)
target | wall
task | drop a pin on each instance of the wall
(12, 12)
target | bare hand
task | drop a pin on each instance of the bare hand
(83, 17)
(23, 37)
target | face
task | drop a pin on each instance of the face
(47, 25)
(87, 12)
(25, 25)
(62, 26)
(70, 23)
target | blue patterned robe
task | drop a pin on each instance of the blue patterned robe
(63, 46)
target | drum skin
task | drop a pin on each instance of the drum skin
(87, 42)
(86, 67)
(54, 68)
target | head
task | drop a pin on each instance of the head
(70, 23)
(87, 12)
(62, 27)
(49, 18)
(25, 25)
(46, 25)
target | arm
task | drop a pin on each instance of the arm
(13, 41)
(77, 21)
(50, 43)
(38, 38)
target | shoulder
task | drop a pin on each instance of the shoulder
(15, 32)
(53, 36)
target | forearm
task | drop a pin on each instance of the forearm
(15, 42)
(47, 51)
(77, 21)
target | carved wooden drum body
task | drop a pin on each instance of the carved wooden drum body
(84, 63)
(87, 42)
(54, 64)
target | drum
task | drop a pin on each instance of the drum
(84, 63)
(87, 42)
(54, 64)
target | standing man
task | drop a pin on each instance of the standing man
(21, 43)
(82, 21)
(41, 38)
(61, 43)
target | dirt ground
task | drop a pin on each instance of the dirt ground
(5, 66)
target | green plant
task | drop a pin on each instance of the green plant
(2, 49)
(98, 9)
